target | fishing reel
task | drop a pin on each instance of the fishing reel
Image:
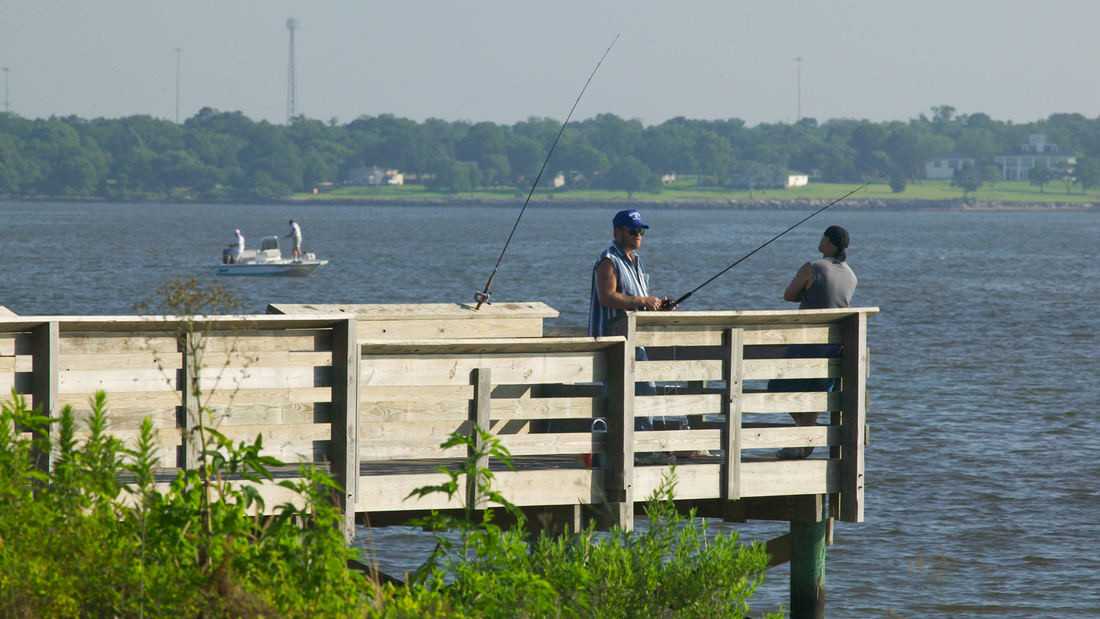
(482, 298)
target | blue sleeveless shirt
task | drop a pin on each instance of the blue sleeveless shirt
(631, 279)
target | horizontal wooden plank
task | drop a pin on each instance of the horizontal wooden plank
(794, 402)
(117, 381)
(526, 346)
(711, 335)
(94, 344)
(754, 369)
(20, 363)
(552, 444)
(427, 433)
(507, 368)
(421, 311)
(294, 340)
(751, 403)
(389, 492)
(374, 330)
(174, 360)
(418, 393)
(789, 477)
(264, 378)
(406, 448)
(649, 406)
(794, 436)
(523, 488)
(771, 478)
(502, 409)
(746, 318)
(272, 493)
(677, 440)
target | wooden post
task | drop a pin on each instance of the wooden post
(191, 406)
(853, 417)
(482, 380)
(344, 447)
(619, 467)
(732, 372)
(46, 346)
(808, 567)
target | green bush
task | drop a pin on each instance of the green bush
(81, 542)
(97, 537)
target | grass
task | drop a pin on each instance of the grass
(1004, 192)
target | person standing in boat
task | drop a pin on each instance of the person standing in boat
(240, 245)
(296, 234)
(620, 283)
(822, 284)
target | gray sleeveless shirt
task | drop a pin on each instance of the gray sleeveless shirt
(833, 285)
(632, 280)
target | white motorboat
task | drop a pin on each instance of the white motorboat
(268, 261)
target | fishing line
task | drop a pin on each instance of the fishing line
(483, 296)
(673, 304)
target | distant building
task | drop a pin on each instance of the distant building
(558, 180)
(1037, 152)
(668, 179)
(373, 176)
(944, 168)
(797, 180)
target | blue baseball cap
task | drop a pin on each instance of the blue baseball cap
(629, 218)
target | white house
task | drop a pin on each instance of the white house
(797, 180)
(1037, 152)
(944, 168)
(374, 176)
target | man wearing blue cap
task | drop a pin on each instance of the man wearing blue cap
(620, 283)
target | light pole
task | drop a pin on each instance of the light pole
(798, 87)
(179, 56)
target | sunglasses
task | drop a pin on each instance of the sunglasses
(636, 231)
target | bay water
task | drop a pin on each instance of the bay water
(983, 474)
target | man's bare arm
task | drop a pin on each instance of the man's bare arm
(606, 284)
(799, 284)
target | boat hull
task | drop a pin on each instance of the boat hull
(290, 269)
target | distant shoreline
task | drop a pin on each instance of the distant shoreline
(647, 201)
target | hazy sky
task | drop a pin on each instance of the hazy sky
(505, 60)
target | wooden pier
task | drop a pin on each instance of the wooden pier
(371, 391)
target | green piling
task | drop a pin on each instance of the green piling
(808, 570)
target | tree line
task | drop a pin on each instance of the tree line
(226, 155)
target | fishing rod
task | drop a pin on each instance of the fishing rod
(672, 304)
(483, 295)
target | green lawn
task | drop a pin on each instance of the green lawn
(1002, 192)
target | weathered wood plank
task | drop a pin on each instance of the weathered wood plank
(751, 403)
(619, 451)
(754, 369)
(746, 318)
(46, 343)
(344, 448)
(522, 488)
(418, 393)
(507, 369)
(552, 444)
(853, 417)
(374, 330)
(489, 346)
(732, 372)
(711, 335)
(793, 436)
(677, 440)
(773, 478)
(419, 311)
(480, 410)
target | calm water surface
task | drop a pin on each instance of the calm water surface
(983, 477)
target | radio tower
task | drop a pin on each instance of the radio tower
(291, 87)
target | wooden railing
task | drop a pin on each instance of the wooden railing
(727, 364)
(376, 410)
